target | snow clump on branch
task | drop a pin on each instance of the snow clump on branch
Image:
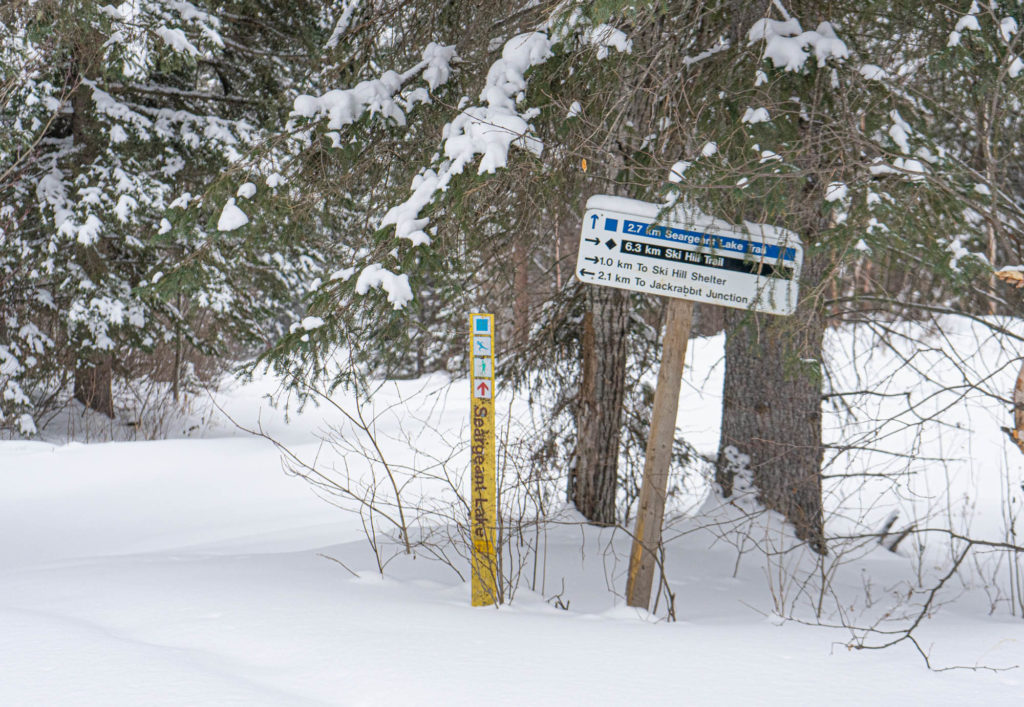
(492, 129)
(397, 286)
(489, 130)
(755, 115)
(606, 37)
(786, 43)
(231, 217)
(346, 106)
(177, 40)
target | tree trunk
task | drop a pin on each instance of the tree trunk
(771, 409)
(93, 371)
(521, 292)
(93, 386)
(593, 481)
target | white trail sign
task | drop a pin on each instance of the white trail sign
(625, 244)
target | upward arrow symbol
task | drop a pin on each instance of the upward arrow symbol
(482, 388)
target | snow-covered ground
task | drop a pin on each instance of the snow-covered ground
(194, 571)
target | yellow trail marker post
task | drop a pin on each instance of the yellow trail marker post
(483, 479)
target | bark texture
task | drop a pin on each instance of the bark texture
(521, 292)
(93, 386)
(593, 481)
(771, 408)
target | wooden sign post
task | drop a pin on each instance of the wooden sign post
(651, 510)
(483, 481)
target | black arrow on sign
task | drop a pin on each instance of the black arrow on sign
(595, 241)
(584, 272)
(591, 260)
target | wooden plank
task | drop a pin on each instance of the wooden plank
(651, 511)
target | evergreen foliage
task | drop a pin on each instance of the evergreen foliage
(333, 185)
(120, 121)
(741, 110)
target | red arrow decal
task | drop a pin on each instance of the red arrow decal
(482, 387)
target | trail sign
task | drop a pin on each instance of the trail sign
(629, 245)
(483, 482)
(688, 256)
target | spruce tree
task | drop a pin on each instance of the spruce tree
(122, 120)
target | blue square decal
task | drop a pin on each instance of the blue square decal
(611, 224)
(483, 325)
